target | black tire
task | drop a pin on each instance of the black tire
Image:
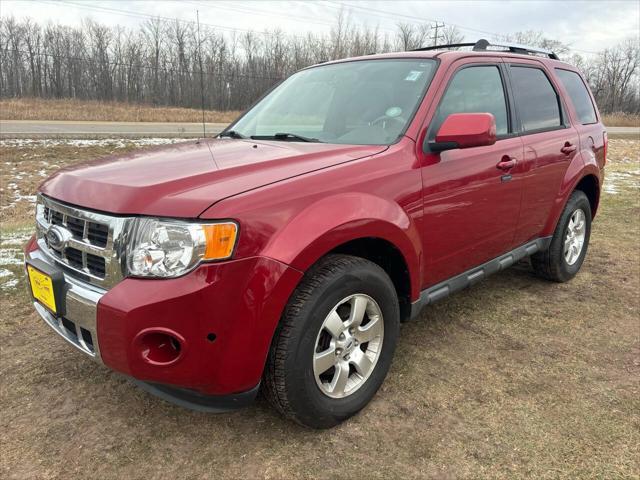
(289, 382)
(551, 264)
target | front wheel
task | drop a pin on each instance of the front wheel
(562, 261)
(335, 342)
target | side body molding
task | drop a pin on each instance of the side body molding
(471, 277)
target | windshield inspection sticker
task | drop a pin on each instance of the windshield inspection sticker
(413, 76)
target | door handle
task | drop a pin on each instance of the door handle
(568, 148)
(507, 163)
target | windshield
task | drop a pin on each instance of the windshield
(367, 102)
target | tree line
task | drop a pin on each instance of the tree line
(164, 63)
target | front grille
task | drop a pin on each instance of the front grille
(94, 233)
(74, 257)
(93, 242)
(97, 234)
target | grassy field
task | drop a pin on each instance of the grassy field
(68, 109)
(621, 120)
(514, 378)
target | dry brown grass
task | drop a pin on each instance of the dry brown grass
(513, 378)
(87, 110)
(621, 119)
(68, 109)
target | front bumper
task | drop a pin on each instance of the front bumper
(78, 326)
(225, 314)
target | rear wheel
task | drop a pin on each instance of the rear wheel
(562, 261)
(335, 342)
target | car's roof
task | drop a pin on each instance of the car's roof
(452, 55)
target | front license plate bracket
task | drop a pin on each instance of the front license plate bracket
(58, 284)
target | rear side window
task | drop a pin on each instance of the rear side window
(536, 100)
(474, 90)
(579, 95)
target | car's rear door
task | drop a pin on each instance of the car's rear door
(550, 142)
(471, 206)
(593, 137)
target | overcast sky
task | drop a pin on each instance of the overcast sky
(588, 26)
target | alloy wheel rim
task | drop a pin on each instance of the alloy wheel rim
(348, 346)
(574, 237)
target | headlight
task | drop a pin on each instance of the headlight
(169, 248)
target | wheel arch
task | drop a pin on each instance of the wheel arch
(361, 225)
(387, 256)
(590, 185)
(586, 178)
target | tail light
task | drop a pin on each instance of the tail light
(606, 143)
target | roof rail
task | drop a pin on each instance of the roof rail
(482, 44)
(443, 47)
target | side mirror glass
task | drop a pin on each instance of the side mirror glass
(465, 130)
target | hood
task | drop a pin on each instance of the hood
(184, 179)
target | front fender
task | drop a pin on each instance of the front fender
(581, 166)
(312, 233)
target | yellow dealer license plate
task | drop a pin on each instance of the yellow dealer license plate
(42, 288)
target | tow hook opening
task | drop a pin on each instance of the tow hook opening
(160, 347)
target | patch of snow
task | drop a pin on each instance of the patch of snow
(16, 238)
(10, 256)
(80, 142)
(610, 188)
(28, 198)
(614, 181)
(10, 285)
(8, 280)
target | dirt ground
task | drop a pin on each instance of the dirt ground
(513, 378)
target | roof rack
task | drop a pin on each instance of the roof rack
(482, 44)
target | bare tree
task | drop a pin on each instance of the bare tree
(614, 77)
(411, 36)
(160, 62)
(451, 35)
(537, 39)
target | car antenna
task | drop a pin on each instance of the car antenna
(204, 129)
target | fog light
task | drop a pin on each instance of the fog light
(159, 346)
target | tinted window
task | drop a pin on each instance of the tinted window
(536, 99)
(579, 95)
(474, 90)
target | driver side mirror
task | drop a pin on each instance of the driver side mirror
(465, 130)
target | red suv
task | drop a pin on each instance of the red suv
(286, 252)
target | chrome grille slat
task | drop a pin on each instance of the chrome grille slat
(85, 231)
(96, 247)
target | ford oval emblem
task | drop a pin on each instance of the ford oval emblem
(57, 237)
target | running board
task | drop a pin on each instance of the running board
(473, 276)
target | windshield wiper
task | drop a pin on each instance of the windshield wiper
(285, 136)
(231, 134)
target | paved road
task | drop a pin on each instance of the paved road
(79, 129)
(626, 131)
